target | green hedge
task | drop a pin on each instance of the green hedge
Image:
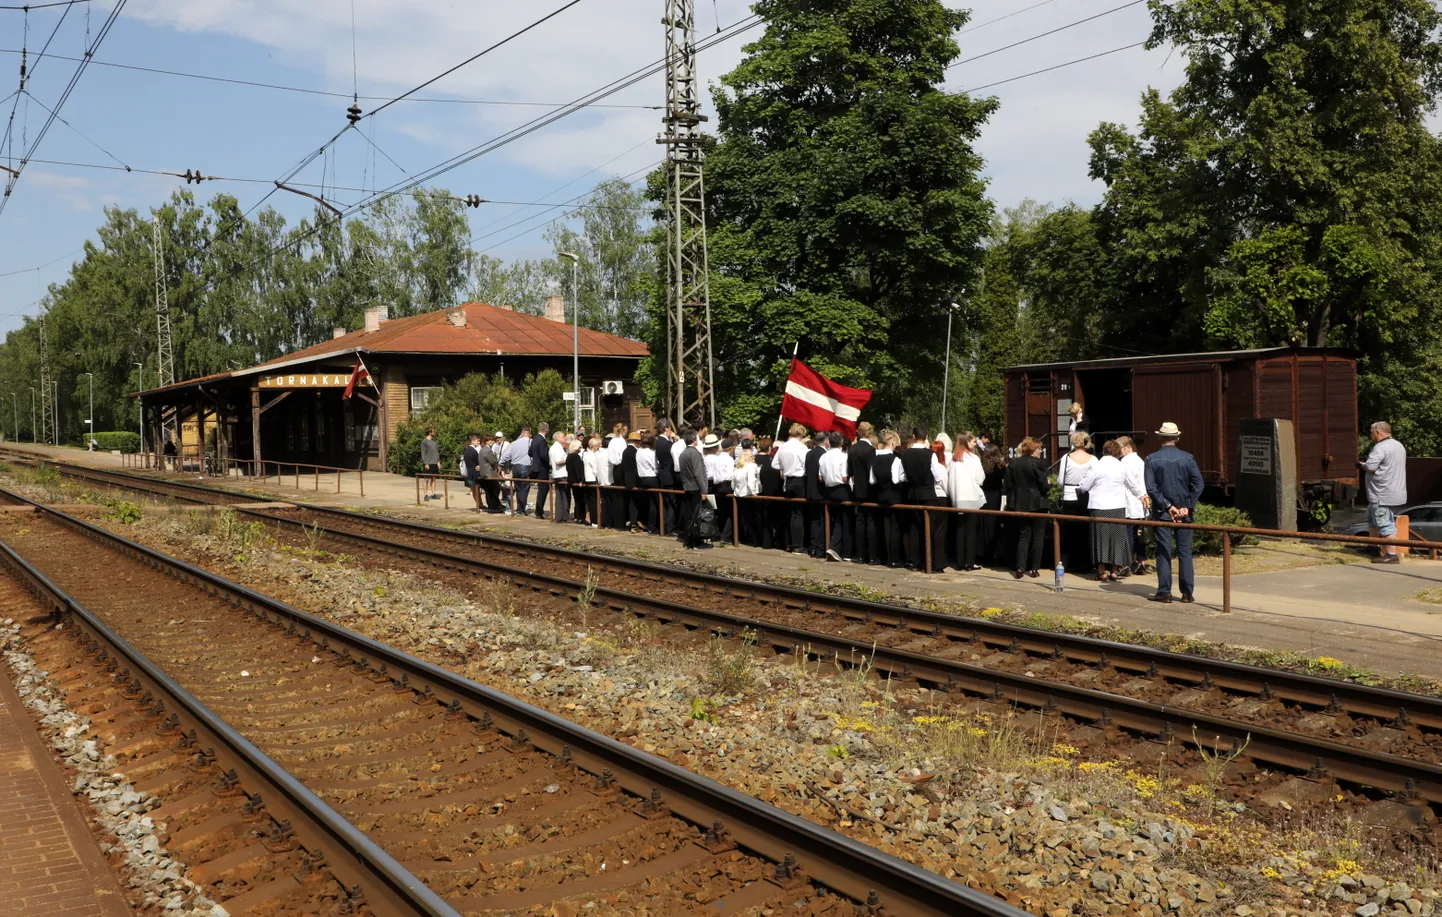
(125, 441)
(479, 404)
(1211, 542)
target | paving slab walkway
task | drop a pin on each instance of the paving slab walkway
(49, 862)
(1363, 614)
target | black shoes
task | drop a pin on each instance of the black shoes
(1163, 598)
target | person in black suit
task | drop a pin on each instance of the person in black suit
(815, 495)
(540, 468)
(1027, 491)
(632, 482)
(859, 459)
(666, 472)
(919, 490)
(887, 493)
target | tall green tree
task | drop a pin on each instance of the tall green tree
(847, 207)
(1288, 192)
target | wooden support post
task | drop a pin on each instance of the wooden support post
(661, 512)
(1226, 572)
(384, 419)
(446, 491)
(255, 455)
(735, 523)
(926, 527)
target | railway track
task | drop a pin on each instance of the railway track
(1374, 740)
(387, 783)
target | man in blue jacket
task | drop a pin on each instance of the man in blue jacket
(1174, 483)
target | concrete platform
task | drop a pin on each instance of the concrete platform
(1360, 613)
(49, 861)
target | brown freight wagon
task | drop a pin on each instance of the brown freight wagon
(1207, 395)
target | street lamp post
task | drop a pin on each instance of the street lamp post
(575, 337)
(90, 423)
(946, 367)
(140, 405)
(32, 415)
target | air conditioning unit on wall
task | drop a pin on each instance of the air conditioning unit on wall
(613, 388)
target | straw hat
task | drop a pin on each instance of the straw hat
(634, 436)
(1169, 429)
(711, 442)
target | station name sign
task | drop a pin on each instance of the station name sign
(312, 380)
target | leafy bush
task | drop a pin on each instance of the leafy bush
(124, 512)
(479, 404)
(124, 440)
(1211, 542)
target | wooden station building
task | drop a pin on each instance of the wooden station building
(293, 409)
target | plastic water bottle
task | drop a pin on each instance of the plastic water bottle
(1060, 575)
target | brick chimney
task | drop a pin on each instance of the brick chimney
(374, 316)
(337, 332)
(556, 309)
(457, 317)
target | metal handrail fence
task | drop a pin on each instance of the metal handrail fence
(1227, 533)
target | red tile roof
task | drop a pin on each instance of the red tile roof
(488, 330)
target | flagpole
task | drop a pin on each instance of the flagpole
(777, 438)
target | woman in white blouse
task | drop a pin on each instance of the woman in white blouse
(964, 477)
(746, 482)
(1108, 485)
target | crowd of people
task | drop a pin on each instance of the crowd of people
(850, 499)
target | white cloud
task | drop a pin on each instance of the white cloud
(72, 189)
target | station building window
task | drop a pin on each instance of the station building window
(421, 396)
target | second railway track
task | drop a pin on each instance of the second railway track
(1373, 739)
(497, 806)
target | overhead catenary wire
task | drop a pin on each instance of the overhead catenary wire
(1062, 28)
(64, 97)
(477, 56)
(1025, 9)
(1079, 60)
(306, 90)
(27, 7)
(629, 179)
(78, 131)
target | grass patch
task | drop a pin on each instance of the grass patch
(1430, 596)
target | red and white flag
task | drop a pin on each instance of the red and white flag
(357, 374)
(821, 404)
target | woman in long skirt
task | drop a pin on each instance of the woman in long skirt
(1106, 483)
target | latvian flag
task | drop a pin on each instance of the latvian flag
(821, 404)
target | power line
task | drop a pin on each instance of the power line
(558, 189)
(1079, 60)
(64, 97)
(1069, 25)
(628, 179)
(42, 6)
(196, 176)
(585, 101)
(77, 130)
(42, 266)
(482, 53)
(1025, 9)
(305, 90)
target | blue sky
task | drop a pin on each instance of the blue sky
(1035, 146)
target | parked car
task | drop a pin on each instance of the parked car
(1424, 520)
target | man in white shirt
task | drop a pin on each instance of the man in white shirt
(720, 471)
(558, 478)
(832, 468)
(791, 460)
(1136, 469)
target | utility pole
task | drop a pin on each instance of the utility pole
(49, 432)
(690, 379)
(165, 353)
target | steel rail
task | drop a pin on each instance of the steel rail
(1299, 688)
(825, 857)
(1410, 779)
(365, 871)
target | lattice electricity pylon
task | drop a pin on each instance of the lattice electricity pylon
(165, 352)
(690, 381)
(48, 427)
